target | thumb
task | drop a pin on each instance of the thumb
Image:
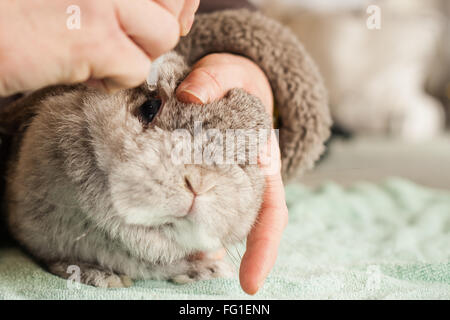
(202, 85)
(216, 74)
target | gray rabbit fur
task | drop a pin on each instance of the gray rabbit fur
(88, 184)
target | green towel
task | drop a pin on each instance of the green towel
(388, 241)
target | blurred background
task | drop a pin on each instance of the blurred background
(386, 65)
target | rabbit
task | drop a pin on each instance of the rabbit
(91, 180)
(95, 186)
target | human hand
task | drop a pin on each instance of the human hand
(212, 77)
(113, 48)
(216, 74)
(265, 237)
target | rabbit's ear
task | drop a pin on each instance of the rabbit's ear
(300, 96)
(12, 116)
(15, 116)
(6, 114)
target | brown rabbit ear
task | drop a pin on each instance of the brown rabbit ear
(15, 116)
(300, 96)
(7, 117)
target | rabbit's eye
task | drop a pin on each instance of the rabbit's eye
(149, 110)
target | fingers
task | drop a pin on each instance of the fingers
(264, 239)
(152, 27)
(114, 46)
(173, 6)
(211, 78)
(270, 158)
(184, 11)
(216, 74)
(187, 15)
(127, 68)
(156, 25)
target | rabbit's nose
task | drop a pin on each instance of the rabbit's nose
(199, 186)
(189, 185)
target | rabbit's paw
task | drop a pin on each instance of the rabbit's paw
(90, 274)
(204, 269)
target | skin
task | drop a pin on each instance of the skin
(211, 78)
(113, 50)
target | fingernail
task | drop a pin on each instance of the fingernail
(192, 94)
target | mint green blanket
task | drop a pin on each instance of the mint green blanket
(389, 241)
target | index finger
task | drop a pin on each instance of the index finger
(152, 27)
(187, 15)
(173, 6)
